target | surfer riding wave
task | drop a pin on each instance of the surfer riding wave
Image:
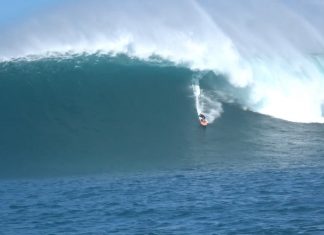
(203, 120)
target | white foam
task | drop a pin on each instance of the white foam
(291, 91)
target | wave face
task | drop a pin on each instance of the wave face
(272, 50)
(91, 113)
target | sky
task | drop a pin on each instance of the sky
(11, 10)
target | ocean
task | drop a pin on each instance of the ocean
(99, 129)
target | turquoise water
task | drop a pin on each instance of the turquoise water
(112, 145)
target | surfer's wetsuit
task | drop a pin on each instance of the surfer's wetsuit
(202, 116)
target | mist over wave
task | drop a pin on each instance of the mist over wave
(270, 51)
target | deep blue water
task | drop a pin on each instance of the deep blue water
(203, 200)
(101, 145)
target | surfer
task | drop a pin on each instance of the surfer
(202, 117)
(203, 120)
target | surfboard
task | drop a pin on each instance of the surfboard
(203, 122)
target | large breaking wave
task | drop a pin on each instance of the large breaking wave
(98, 113)
(269, 52)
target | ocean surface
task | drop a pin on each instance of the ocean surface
(99, 129)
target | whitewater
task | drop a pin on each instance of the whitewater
(272, 52)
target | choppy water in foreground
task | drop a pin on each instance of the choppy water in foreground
(190, 201)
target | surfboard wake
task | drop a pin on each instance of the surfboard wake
(205, 103)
